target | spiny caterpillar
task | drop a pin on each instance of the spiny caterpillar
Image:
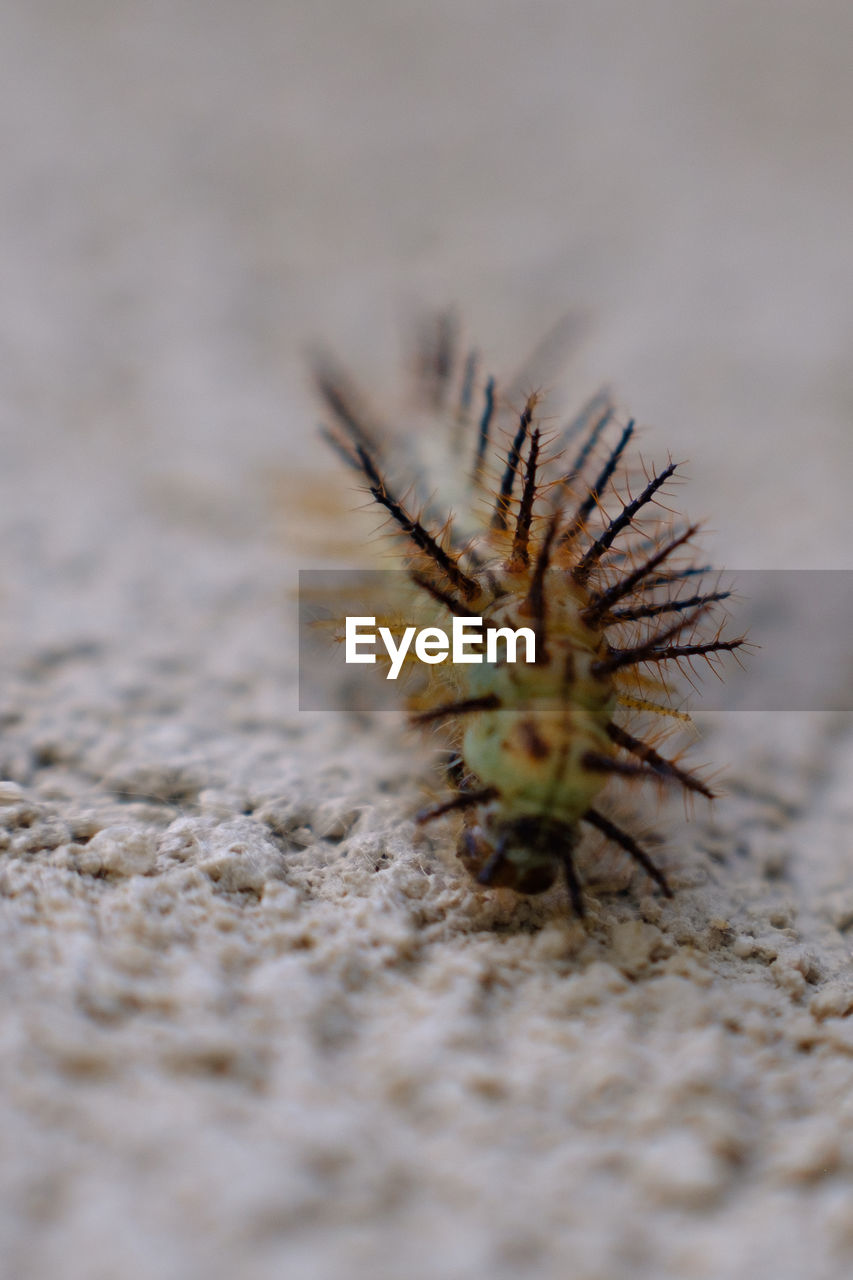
(559, 538)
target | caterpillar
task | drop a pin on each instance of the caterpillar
(551, 530)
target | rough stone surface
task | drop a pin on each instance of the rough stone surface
(253, 1022)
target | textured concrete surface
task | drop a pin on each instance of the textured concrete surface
(249, 1025)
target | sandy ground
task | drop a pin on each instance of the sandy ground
(249, 1026)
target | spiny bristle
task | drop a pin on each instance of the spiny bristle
(678, 575)
(484, 430)
(630, 657)
(445, 355)
(464, 706)
(464, 800)
(456, 607)
(629, 844)
(639, 612)
(501, 511)
(592, 499)
(593, 418)
(345, 402)
(651, 647)
(647, 753)
(520, 557)
(622, 521)
(412, 527)
(466, 391)
(534, 605)
(601, 604)
(636, 703)
(600, 763)
(435, 356)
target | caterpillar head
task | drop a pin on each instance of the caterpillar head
(525, 854)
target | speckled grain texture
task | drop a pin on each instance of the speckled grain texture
(250, 1025)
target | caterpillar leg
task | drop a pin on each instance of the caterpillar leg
(573, 884)
(492, 866)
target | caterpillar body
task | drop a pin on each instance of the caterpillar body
(553, 533)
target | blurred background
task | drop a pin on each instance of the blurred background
(193, 191)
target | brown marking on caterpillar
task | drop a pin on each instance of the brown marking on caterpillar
(538, 746)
